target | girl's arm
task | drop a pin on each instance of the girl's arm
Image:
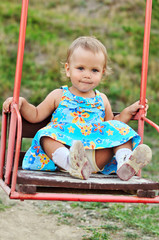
(36, 114)
(108, 110)
(130, 111)
(126, 114)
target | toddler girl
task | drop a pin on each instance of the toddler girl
(83, 135)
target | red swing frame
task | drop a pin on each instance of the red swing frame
(15, 131)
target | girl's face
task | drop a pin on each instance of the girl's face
(85, 69)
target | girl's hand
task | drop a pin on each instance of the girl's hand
(126, 115)
(7, 104)
(133, 109)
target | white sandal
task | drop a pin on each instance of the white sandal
(139, 158)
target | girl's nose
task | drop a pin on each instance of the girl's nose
(87, 74)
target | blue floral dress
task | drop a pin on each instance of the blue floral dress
(78, 118)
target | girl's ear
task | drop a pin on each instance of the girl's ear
(67, 69)
(103, 70)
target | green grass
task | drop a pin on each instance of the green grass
(96, 235)
(106, 220)
(3, 207)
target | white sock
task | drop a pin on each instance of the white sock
(61, 157)
(122, 155)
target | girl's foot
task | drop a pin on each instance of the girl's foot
(139, 158)
(79, 164)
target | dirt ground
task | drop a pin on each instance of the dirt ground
(24, 220)
(53, 220)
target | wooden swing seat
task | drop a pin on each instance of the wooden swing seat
(31, 182)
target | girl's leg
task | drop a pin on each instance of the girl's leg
(122, 153)
(56, 151)
(127, 145)
(60, 158)
(103, 156)
(130, 162)
(50, 145)
(73, 160)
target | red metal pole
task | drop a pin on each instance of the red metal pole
(3, 143)
(5, 187)
(151, 123)
(10, 152)
(16, 92)
(83, 197)
(20, 53)
(145, 56)
(17, 150)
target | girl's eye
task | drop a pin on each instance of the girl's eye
(95, 70)
(80, 68)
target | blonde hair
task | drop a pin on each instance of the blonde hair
(92, 44)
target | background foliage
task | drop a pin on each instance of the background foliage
(52, 25)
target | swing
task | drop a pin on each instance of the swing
(38, 185)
